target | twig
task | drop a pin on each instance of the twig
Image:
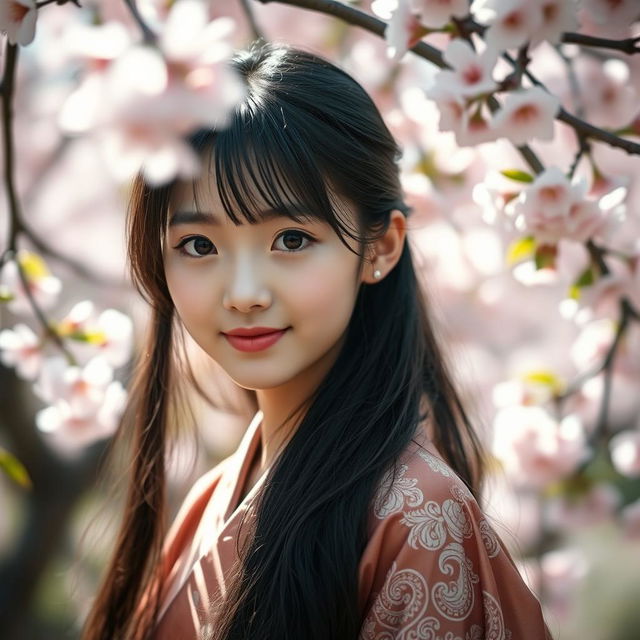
(7, 87)
(251, 19)
(628, 45)
(148, 35)
(372, 24)
(16, 224)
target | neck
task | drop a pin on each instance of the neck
(284, 406)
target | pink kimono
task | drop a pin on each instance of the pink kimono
(433, 567)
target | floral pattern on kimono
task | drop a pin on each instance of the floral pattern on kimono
(436, 568)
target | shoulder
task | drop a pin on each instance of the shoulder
(434, 563)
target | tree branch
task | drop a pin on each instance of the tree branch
(628, 45)
(251, 19)
(148, 35)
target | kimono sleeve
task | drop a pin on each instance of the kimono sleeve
(450, 576)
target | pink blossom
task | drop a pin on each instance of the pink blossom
(471, 73)
(108, 334)
(20, 348)
(525, 115)
(69, 432)
(593, 343)
(612, 12)
(403, 31)
(86, 403)
(562, 570)
(18, 20)
(148, 99)
(511, 22)
(602, 298)
(535, 448)
(625, 452)
(552, 208)
(435, 14)
(44, 287)
(596, 505)
(558, 16)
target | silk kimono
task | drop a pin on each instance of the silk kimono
(433, 566)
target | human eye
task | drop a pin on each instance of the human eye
(293, 240)
(195, 246)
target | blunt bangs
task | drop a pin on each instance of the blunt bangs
(262, 161)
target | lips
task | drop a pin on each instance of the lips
(254, 339)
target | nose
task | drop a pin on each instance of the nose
(246, 289)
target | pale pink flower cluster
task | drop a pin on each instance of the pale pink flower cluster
(460, 94)
(552, 209)
(596, 505)
(410, 20)
(536, 449)
(625, 452)
(43, 286)
(85, 402)
(147, 99)
(513, 23)
(18, 20)
(612, 12)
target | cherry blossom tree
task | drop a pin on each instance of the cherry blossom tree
(519, 123)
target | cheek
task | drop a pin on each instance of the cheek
(187, 292)
(327, 295)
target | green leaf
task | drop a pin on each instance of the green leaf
(586, 278)
(520, 249)
(517, 175)
(14, 469)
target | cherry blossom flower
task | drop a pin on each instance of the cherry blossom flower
(43, 286)
(435, 14)
(525, 115)
(596, 505)
(404, 29)
(86, 403)
(593, 343)
(536, 449)
(612, 13)
(558, 16)
(625, 452)
(18, 20)
(149, 99)
(108, 334)
(551, 208)
(511, 22)
(20, 348)
(471, 73)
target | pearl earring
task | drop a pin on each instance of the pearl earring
(377, 274)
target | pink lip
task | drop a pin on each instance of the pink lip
(255, 342)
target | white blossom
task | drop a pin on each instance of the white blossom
(20, 348)
(526, 114)
(18, 20)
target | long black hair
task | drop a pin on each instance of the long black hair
(308, 133)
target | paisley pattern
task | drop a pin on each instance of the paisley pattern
(393, 493)
(434, 588)
(430, 525)
(403, 599)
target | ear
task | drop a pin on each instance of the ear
(386, 251)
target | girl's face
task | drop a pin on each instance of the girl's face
(277, 274)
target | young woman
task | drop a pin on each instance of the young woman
(350, 507)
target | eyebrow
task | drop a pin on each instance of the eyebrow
(205, 217)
